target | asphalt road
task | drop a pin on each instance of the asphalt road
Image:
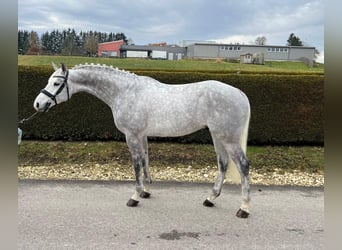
(94, 215)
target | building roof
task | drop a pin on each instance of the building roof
(252, 45)
(117, 41)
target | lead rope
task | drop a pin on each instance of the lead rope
(27, 119)
(20, 132)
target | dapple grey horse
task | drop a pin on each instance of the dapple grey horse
(143, 106)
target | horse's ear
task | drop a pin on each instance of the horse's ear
(54, 66)
(64, 67)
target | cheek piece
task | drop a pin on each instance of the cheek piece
(59, 90)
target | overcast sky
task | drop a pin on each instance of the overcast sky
(153, 21)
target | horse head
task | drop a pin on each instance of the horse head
(55, 92)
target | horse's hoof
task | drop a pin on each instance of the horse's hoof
(132, 203)
(242, 214)
(145, 195)
(208, 203)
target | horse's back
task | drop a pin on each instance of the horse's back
(198, 100)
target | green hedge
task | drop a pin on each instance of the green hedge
(286, 109)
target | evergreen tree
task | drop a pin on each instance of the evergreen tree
(23, 41)
(47, 44)
(66, 42)
(120, 36)
(294, 40)
(69, 43)
(110, 37)
(57, 42)
(79, 45)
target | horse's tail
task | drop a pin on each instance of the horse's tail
(244, 137)
(233, 173)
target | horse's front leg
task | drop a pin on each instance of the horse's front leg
(135, 145)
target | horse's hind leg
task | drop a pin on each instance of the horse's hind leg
(222, 163)
(147, 177)
(239, 157)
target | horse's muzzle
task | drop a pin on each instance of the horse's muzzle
(42, 109)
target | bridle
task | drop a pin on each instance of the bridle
(59, 90)
(52, 96)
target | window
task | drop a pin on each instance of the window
(277, 49)
(225, 48)
(222, 47)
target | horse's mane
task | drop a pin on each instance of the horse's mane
(104, 68)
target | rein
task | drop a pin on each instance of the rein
(64, 84)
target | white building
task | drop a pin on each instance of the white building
(234, 51)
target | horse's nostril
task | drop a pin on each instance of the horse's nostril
(37, 105)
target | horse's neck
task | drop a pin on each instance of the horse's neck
(103, 85)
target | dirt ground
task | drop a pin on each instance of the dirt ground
(300, 166)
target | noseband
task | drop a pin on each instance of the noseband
(64, 84)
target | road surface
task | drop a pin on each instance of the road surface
(94, 215)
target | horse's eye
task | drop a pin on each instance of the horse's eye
(56, 84)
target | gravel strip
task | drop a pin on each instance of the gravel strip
(176, 173)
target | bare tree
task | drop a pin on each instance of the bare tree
(91, 43)
(33, 44)
(260, 40)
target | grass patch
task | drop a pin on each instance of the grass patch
(162, 155)
(181, 65)
(289, 159)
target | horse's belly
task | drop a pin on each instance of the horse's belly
(173, 127)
